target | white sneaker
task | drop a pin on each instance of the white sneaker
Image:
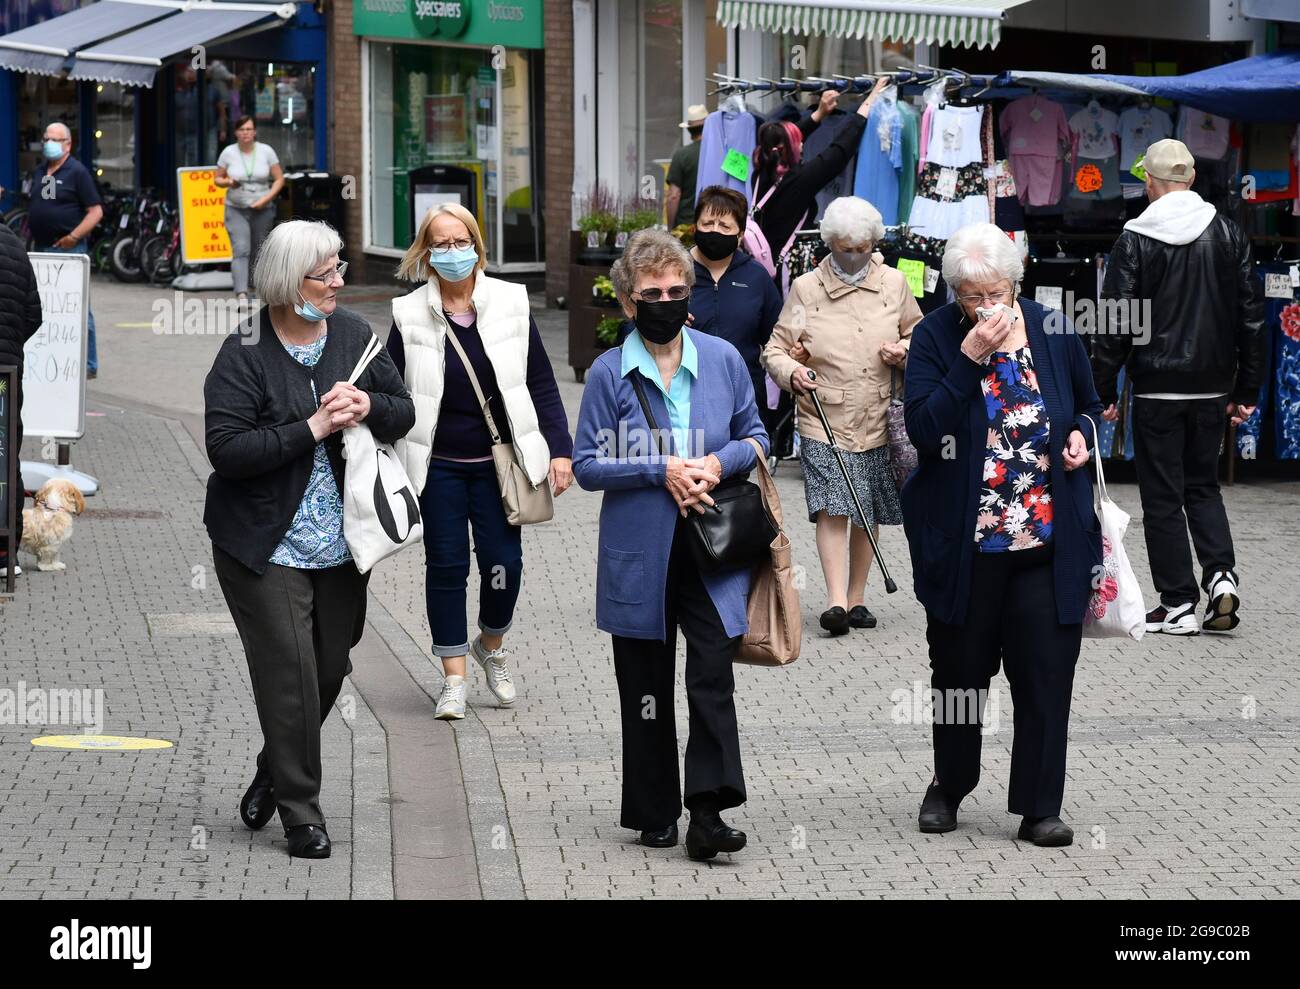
(1221, 612)
(451, 705)
(1173, 621)
(4, 571)
(495, 671)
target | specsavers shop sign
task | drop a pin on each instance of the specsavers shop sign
(514, 23)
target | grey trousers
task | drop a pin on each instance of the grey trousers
(297, 627)
(247, 229)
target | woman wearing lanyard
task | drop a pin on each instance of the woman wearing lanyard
(252, 173)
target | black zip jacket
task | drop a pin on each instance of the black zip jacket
(1206, 317)
(257, 402)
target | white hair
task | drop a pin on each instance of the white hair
(67, 131)
(852, 220)
(980, 252)
(291, 252)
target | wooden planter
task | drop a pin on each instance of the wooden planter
(584, 314)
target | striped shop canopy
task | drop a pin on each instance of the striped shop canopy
(970, 23)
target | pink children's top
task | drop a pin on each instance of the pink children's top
(1034, 126)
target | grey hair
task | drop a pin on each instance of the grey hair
(852, 220)
(650, 251)
(291, 252)
(67, 131)
(980, 252)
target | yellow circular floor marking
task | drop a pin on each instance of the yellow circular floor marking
(116, 742)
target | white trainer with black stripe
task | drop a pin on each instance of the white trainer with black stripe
(495, 672)
(1179, 620)
(1221, 612)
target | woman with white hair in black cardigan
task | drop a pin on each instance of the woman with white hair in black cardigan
(1004, 540)
(277, 401)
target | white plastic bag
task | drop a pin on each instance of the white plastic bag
(1116, 609)
(381, 513)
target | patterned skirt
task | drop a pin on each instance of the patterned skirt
(823, 484)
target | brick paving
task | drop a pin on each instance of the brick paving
(1183, 757)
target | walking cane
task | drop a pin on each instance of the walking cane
(890, 586)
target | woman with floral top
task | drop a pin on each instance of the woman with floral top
(276, 403)
(1004, 541)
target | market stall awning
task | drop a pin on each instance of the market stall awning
(134, 58)
(971, 23)
(44, 48)
(1260, 89)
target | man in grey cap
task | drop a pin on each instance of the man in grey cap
(682, 170)
(1195, 358)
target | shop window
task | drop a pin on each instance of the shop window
(434, 105)
(41, 101)
(114, 165)
(279, 96)
(650, 36)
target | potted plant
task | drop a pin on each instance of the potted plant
(597, 224)
(602, 291)
(607, 330)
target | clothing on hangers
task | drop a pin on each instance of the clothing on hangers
(880, 160)
(954, 135)
(1035, 131)
(1282, 323)
(725, 129)
(1139, 128)
(907, 174)
(817, 141)
(1205, 135)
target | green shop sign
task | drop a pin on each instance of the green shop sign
(514, 23)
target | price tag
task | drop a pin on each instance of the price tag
(593, 238)
(931, 279)
(1278, 286)
(620, 239)
(947, 185)
(1295, 276)
(914, 272)
(1049, 296)
(736, 165)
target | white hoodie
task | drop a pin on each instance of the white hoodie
(1175, 218)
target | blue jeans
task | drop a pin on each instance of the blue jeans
(456, 497)
(92, 356)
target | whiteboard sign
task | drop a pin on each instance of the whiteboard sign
(54, 360)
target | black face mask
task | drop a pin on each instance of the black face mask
(660, 322)
(716, 246)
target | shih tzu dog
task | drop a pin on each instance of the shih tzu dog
(48, 524)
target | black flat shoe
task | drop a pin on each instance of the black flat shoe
(258, 805)
(938, 813)
(662, 838)
(708, 835)
(835, 620)
(1047, 832)
(860, 617)
(308, 841)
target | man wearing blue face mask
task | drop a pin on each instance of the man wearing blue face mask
(65, 208)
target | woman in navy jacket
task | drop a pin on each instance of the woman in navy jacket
(999, 519)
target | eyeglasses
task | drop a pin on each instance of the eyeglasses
(995, 297)
(339, 272)
(447, 246)
(676, 293)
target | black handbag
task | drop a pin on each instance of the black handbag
(738, 532)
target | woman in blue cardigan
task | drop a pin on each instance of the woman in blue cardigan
(999, 519)
(647, 583)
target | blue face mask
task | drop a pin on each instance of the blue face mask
(454, 265)
(308, 311)
(53, 150)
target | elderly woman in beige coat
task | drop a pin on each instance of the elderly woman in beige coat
(850, 320)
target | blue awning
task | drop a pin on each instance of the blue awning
(134, 58)
(1263, 88)
(44, 48)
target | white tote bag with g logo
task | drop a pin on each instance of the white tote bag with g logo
(381, 513)
(1116, 609)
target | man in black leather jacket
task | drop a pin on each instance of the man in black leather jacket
(20, 318)
(1182, 312)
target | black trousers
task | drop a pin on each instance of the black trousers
(1176, 450)
(16, 411)
(645, 668)
(297, 627)
(1011, 619)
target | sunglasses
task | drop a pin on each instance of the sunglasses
(675, 294)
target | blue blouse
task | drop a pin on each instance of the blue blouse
(314, 540)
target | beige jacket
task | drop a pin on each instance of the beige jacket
(842, 326)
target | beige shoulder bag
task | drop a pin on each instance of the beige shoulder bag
(524, 502)
(775, 623)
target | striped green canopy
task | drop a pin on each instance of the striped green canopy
(969, 23)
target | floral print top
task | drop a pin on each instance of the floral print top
(315, 537)
(1015, 508)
